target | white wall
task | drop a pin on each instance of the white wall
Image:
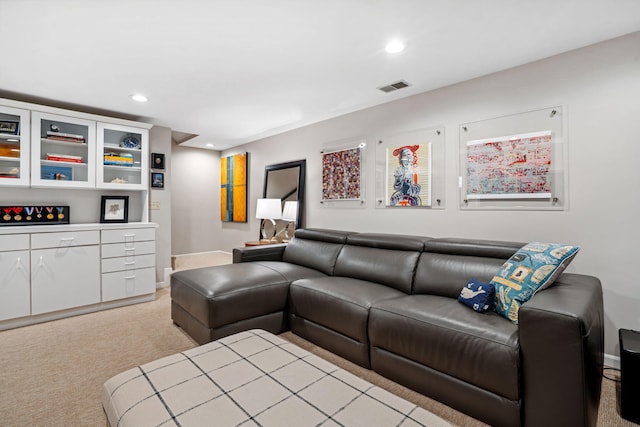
(599, 89)
(160, 142)
(195, 210)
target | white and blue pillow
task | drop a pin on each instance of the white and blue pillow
(478, 295)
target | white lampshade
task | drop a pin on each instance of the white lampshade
(269, 209)
(290, 211)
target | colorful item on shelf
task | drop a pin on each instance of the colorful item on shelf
(9, 172)
(130, 141)
(65, 137)
(24, 215)
(10, 150)
(118, 159)
(64, 158)
(9, 127)
(57, 173)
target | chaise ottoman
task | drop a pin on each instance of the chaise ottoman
(213, 302)
(252, 378)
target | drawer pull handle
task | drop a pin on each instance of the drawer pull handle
(129, 277)
(129, 235)
(130, 249)
(130, 263)
(67, 239)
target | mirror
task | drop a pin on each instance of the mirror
(285, 181)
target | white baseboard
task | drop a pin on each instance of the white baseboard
(166, 281)
(202, 253)
(611, 361)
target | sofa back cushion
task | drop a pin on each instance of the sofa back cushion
(386, 259)
(315, 248)
(448, 264)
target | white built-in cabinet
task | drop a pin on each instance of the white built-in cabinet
(53, 271)
(15, 291)
(123, 153)
(14, 147)
(66, 149)
(128, 263)
(63, 151)
(65, 270)
(49, 272)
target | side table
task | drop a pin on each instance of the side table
(629, 375)
(262, 243)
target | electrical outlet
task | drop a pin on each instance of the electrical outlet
(155, 205)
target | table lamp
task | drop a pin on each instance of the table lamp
(268, 210)
(290, 215)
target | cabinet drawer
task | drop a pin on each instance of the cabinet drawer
(128, 235)
(72, 238)
(115, 250)
(128, 263)
(14, 242)
(125, 284)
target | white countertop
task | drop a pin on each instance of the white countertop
(28, 229)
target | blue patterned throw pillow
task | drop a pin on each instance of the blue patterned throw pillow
(477, 295)
(534, 267)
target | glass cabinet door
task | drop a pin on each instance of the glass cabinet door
(123, 157)
(14, 147)
(63, 151)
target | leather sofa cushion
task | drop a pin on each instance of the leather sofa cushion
(291, 272)
(217, 296)
(388, 241)
(393, 268)
(471, 247)
(446, 275)
(338, 303)
(481, 349)
(323, 235)
(314, 254)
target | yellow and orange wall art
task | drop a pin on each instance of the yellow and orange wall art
(233, 188)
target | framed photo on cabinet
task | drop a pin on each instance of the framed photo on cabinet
(9, 127)
(114, 209)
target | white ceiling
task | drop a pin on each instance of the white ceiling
(233, 71)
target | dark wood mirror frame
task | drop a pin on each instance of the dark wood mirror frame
(282, 182)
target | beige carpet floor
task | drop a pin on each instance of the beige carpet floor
(203, 259)
(51, 374)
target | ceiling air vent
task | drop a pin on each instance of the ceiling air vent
(394, 86)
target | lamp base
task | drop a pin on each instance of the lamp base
(268, 229)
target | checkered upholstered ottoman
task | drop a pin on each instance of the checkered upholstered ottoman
(252, 378)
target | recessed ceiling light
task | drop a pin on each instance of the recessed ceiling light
(209, 145)
(394, 46)
(138, 97)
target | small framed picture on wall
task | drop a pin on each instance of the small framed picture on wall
(157, 161)
(157, 180)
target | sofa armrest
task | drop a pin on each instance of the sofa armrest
(562, 347)
(259, 253)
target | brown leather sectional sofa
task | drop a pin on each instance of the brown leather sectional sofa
(389, 303)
